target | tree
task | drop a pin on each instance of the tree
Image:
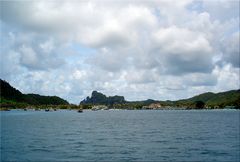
(199, 104)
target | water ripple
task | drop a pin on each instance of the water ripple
(121, 136)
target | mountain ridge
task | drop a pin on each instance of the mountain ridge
(11, 94)
(210, 99)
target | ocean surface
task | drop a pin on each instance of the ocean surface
(124, 135)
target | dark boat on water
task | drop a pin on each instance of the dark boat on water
(80, 110)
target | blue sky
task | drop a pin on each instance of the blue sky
(140, 49)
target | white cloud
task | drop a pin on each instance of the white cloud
(228, 77)
(28, 56)
(79, 75)
(146, 49)
(222, 10)
(231, 52)
(47, 46)
(182, 51)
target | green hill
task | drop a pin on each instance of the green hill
(202, 97)
(222, 99)
(44, 100)
(209, 99)
(10, 95)
(229, 98)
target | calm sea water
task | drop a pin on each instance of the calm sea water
(125, 135)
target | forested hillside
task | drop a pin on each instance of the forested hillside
(10, 95)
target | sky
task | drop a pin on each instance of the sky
(155, 49)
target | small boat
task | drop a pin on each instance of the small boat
(80, 110)
(25, 109)
(47, 110)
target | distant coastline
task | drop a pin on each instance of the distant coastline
(12, 98)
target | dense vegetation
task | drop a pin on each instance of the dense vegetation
(214, 100)
(36, 99)
(99, 98)
(11, 97)
(205, 100)
(9, 93)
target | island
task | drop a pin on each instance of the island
(11, 98)
(209, 100)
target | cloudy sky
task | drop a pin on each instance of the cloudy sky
(163, 49)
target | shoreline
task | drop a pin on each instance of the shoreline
(169, 109)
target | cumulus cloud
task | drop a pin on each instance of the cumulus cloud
(221, 9)
(147, 49)
(231, 52)
(183, 50)
(38, 58)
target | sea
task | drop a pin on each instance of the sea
(120, 135)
